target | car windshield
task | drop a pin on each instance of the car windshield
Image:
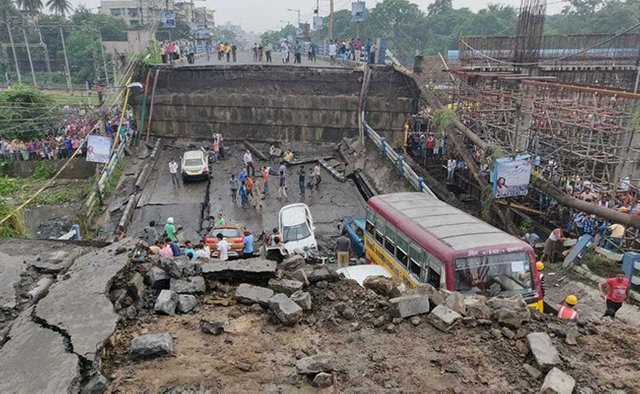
(506, 273)
(296, 233)
(192, 162)
(226, 232)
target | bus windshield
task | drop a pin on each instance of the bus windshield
(507, 273)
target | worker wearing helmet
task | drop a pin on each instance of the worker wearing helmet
(543, 286)
(170, 230)
(566, 310)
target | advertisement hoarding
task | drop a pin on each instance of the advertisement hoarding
(168, 19)
(358, 10)
(511, 176)
(98, 149)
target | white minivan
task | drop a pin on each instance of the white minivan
(296, 227)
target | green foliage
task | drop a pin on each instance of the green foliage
(112, 182)
(24, 111)
(492, 153)
(636, 120)
(14, 226)
(43, 170)
(274, 36)
(594, 16)
(599, 264)
(526, 226)
(8, 186)
(443, 120)
(58, 196)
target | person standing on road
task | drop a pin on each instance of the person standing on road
(297, 52)
(170, 230)
(265, 179)
(343, 250)
(311, 182)
(221, 220)
(616, 294)
(234, 52)
(173, 170)
(301, 175)
(242, 176)
(244, 196)
(248, 183)
(247, 250)
(267, 51)
(233, 186)
(318, 177)
(248, 163)
(151, 234)
(553, 245)
(223, 248)
(357, 50)
(282, 183)
(216, 149)
(333, 50)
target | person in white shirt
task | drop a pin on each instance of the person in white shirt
(223, 248)
(173, 170)
(248, 163)
(451, 166)
(333, 50)
(202, 252)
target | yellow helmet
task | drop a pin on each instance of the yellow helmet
(571, 299)
(539, 265)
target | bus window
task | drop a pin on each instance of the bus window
(416, 257)
(415, 268)
(369, 227)
(507, 272)
(401, 250)
(390, 239)
(379, 237)
(433, 277)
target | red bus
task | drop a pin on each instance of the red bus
(421, 239)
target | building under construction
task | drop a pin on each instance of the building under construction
(571, 100)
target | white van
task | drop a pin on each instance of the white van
(296, 227)
(194, 165)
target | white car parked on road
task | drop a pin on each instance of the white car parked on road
(296, 227)
(194, 165)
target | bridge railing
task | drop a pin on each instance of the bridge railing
(401, 165)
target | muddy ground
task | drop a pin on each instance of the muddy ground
(256, 353)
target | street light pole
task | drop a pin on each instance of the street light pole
(298, 11)
(26, 43)
(330, 21)
(66, 60)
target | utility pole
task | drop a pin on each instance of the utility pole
(13, 49)
(67, 71)
(46, 50)
(104, 59)
(26, 43)
(298, 11)
(330, 21)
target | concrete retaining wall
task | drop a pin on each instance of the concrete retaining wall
(279, 102)
(79, 168)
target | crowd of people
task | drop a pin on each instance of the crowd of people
(61, 142)
(181, 51)
(354, 49)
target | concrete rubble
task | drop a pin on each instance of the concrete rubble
(157, 278)
(315, 364)
(188, 285)
(544, 353)
(186, 303)
(443, 318)
(286, 310)
(409, 305)
(249, 294)
(286, 286)
(152, 345)
(557, 382)
(255, 270)
(166, 302)
(303, 299)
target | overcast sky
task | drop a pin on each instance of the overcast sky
(262, 15)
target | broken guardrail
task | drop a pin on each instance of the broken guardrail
(401, 165)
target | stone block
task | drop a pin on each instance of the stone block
(249, 294)
(299, 275)
(317, 274)
(254, 270)
(166, 302)
(286, 286)
(436, 297)
(543, 351)
(512, 318)
(286, 310)
(303, 299)
(409, 305)
(323, 380)
(443, 318)
(152, 345)
(455, 302)
(557, 382)
(186, 302)
(96, 385)
(135, 286)
(157, 278)
(479, 311)
(379, 284)
(171, 267)
(293, 263)
(192, 284)
(315, 364)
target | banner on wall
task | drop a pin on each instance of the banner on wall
(511, 176)
(98, 149)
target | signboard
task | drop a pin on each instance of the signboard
(358, 11)
(511, 176)
(168, 19)
(302, 32)
(98, 149)
(318, 22)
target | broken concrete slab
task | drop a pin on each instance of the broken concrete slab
(152, 345)
(532, 371)
(479, 311)
(443, 318)
(166, 302)
(317, 274)
(135, 286)
(303, 299)
(436, 297)
(255, 270)
(300, 275)
(409, 305)
(186, 303)
(286, 286)
(213, 327)
(10, 269)
(455, 302)
(249, 294)
(41, 288)
(157, 278)
(315, 364)
(35, 360)
(512, 318)
(98, 384)
(286, 310)
(557, 382)
(293, 263)
(189, 285)
(80, 305)
(379, 284)
(543, 351)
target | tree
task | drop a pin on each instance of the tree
(24, 111)
(31, 6)
(439, 7)
(7, 10)
(82, 45)
(274, 36)
(59, 7)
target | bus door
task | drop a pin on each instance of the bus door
(433, 274)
